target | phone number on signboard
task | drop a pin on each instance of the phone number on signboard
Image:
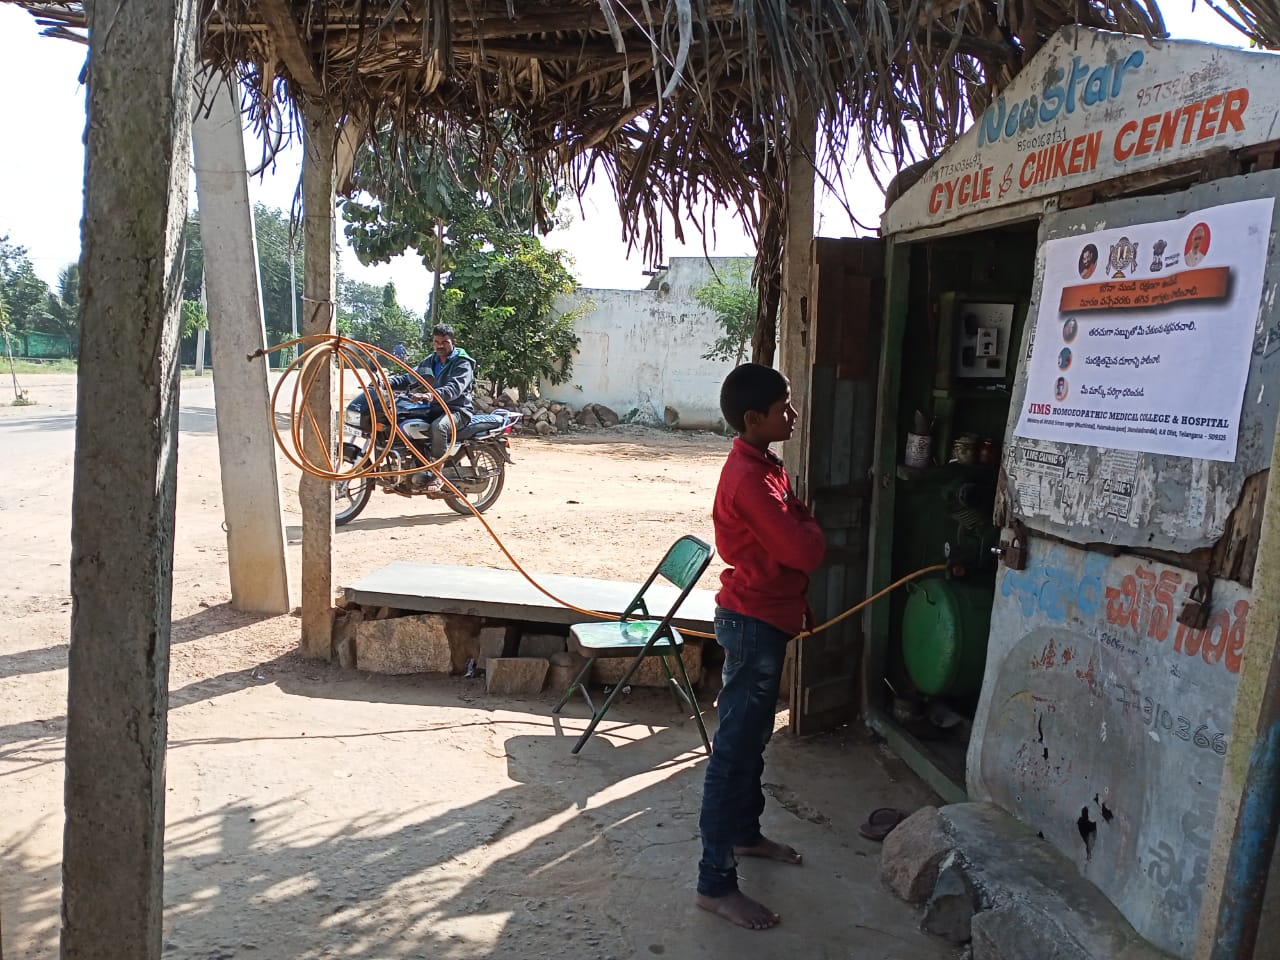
(1188, 85)
(1157, 716)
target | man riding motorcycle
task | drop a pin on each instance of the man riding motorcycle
(452, 371)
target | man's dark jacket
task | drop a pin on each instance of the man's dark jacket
(454, 382)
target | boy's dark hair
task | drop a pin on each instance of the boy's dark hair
(751, 386)
(443, 330)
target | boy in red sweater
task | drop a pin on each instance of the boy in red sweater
(772, 544)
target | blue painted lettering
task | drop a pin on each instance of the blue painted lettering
(1083, 83)
(992, 122)
(1054, 96)
(1011, 124)
(1078, 72)
(1029, 111)
(1132, 62)
(1095, 88)
(1051, 587)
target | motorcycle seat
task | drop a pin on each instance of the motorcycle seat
(481, 423)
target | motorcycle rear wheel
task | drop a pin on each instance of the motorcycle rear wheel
(350, 497)
(488, 463)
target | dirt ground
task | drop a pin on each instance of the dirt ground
(317, 813)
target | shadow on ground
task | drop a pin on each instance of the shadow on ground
(208, 622)
(434, 512)
(315, 813)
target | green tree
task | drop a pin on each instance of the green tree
(373, 314)
(502, 301)
(193, 257)
(26, 296)
(272, 232)
(734, 301)
(64, 307)
(194, 319)
(275, 238)
(10, 255)
(358, 304)
(440, 203)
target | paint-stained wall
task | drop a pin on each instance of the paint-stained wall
(641, 350)
(1127, 498)
(1103, 722)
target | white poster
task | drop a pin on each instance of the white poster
(1144, 334)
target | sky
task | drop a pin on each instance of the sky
(42, 171)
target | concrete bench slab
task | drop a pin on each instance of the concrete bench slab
(506, 595)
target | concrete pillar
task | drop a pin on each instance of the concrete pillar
(314, 494)
(200, 348)
(242, 395)
(122, 511)
(1244, 833)
(795, 347)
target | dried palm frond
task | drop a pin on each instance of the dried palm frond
(683, 105)
(1259, 20)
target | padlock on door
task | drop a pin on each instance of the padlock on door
(1015, 552)
(1195, 610)
(1015, 555)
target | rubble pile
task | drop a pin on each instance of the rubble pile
(543, 416)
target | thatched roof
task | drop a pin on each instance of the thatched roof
(683, 104)
(678, 100)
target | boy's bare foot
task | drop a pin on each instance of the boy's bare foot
(738, 908)
(770, 850)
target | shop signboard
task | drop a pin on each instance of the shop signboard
(1095, 106)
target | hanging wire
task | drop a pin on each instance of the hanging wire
(361, 360)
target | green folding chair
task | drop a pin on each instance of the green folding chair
(638, 638)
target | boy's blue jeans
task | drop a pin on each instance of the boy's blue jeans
(732, 796)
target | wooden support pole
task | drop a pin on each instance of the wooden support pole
(122, 509)
(314, 494)
(767, 276)
(795, 347)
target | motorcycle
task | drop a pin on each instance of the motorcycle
(476, 463)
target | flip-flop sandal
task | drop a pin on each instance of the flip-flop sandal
(881, 823)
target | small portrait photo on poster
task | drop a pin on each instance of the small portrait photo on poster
(1088, 261)
(1197, 245)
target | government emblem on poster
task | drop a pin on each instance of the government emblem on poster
(1123, 259)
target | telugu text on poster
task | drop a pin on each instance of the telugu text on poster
(1144, 333)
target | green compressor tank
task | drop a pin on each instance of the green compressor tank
(944, 635)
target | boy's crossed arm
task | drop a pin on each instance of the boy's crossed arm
(784, 527)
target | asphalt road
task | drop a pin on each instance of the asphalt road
(47, 427)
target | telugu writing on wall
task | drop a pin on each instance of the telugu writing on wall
(1104, 722)
(1144, 333)
(1091, 107)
